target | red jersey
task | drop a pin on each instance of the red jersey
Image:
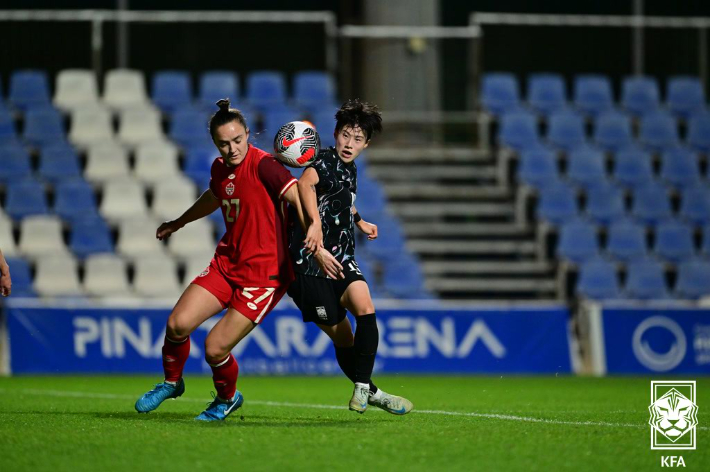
(254, 250)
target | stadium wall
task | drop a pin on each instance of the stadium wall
(90, 339)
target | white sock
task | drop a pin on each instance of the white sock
(171, 383)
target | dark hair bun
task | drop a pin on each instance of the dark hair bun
(223, 104)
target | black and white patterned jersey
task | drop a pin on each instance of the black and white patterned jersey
(335, 193)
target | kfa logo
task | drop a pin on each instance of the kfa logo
(674, 414)
(229, 188)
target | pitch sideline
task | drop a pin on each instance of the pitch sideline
(112, 396)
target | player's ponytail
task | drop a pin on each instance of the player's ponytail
(225, 115)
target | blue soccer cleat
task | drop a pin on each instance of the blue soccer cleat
(219, 409)
(162, 391)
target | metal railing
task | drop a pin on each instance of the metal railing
(98, 17)
(638, 22)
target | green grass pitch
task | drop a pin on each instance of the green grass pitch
(302, 423)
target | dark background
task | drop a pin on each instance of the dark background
(244, 47)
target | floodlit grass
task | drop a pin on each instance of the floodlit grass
(302, 423)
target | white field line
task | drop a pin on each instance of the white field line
(113, 396)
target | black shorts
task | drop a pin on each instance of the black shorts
(318, 298)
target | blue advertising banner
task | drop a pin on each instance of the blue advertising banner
(99, 340)
(644, 340)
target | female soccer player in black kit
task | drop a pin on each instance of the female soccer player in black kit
(324, 289)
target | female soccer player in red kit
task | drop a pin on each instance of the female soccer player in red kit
(249, 273)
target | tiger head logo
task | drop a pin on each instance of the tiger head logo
(673, 415)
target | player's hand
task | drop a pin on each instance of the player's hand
(166, 229)
(5, 282)
(369, 229)
(314, 238)
(329, 264)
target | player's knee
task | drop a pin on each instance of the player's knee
(214, 352)
(364, 309)
(175, 329)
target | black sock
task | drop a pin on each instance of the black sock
(346, 361)
(366, 340)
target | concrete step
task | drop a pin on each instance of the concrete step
(422, 191)
(489, 285)
(471, 268)
(468, 173)
(424, 210)
(427, 154)
(463, 247)
(474, 230)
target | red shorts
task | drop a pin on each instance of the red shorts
(253, 302)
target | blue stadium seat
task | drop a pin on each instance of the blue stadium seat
(679, 167)
(324, 121)
(626, 240)
(598, 280)
(695, 204)
(585, 167)
(518, 130)
(651, 204)
(391, 241)
(172, 90)
(640, 95)
(58, 163)
(632, 168)
(90, 236)
(698, 135)
(578, 241)
(612, 131)
(198, 162)
(44, 126)
(500, 93)
(274, 119)
(566, 130)
(189, 126)
(592, 94)
(16, 163)
(546, 92)
(215, 85)
(21, 277)
(314, 90)
(266, 89)
(557, 203)
(659, 130)
(685, 95)
(29, 89)
(75, 200)
(25, 198)
(693, 279)
(705, 247)
(605, 204)
(645, 280)
(8, 133)
(674, 241)
(538, 168)
(403, 278)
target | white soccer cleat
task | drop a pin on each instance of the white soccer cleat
(360, 397)
(390, 403)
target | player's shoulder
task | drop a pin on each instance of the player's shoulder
(218, 165)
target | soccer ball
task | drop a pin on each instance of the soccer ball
(297, 144)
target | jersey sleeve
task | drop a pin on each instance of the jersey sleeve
(275, 177)
(326, 178)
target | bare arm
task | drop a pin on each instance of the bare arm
(5, 281)
(293, 199)
(307, 191)
(206, 204)
(370, 229)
